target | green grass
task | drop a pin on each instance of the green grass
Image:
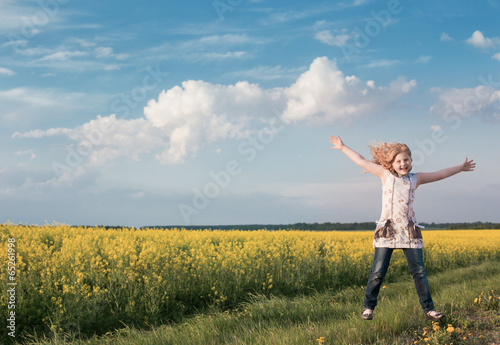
(335, 316)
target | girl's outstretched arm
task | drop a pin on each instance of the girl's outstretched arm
(422, 178)
(372, 167)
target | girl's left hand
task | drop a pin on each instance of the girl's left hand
(468, 165)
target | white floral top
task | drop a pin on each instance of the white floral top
(397, 226)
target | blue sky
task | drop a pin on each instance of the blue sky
(219, 112)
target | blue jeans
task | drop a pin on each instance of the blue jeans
(415, 261)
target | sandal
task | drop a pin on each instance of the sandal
(367, 314)
(434, 315)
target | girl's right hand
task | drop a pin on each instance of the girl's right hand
(337, 142)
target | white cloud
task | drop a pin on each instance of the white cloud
(213, 47)
(478, 40)
(21, 105)
(324, 94)
(138, 195)
(38, 133)
(62, 55)
(10, 16)
(30, 153)
(112, 67)
(217, 40)
(496, 56)
(72, 54)
(195, 114)
(267, 73)
(27, 95)
(360, 2)
(19, 18)
(445, 37)
(103, 52)
(200, 113)
(222, 56)
(478, 101)
(326, 36)
(436, 128)
(41, 184)
(26, 107)
(107, 138)
(279, 16)
(381, 64)
(423, 59)
(7, 72)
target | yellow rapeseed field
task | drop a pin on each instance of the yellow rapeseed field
(89, 279)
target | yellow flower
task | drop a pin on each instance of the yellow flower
(89, 261)
(450, 329)
(321, 340)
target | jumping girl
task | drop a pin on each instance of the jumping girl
(397, 227)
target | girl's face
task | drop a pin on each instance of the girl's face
(402, 163)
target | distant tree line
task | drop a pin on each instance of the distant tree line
(329, 226)
(476, 225)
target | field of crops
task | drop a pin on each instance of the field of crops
(92, 280)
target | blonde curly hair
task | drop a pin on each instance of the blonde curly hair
(384, 154)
